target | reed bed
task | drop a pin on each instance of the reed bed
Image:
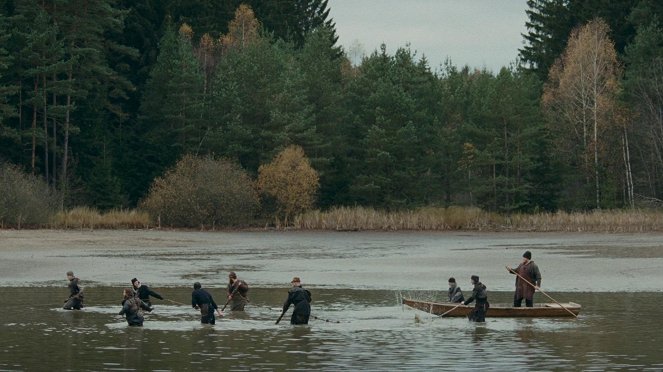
(361, 218)
(600, 221)
(474, 219)
(90, 218)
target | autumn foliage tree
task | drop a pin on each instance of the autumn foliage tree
(581, 99)
(291, 181)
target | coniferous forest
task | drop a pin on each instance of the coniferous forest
(102, 102)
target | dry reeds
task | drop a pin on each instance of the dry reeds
(361, 218)
(90, 218)
(599, 221)
(474, 219)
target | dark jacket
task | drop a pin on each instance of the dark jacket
(131, 310)
(144, 292)
(456, 295)
(202, 299)
(74, 289)
(301, 298)
(478, 293)
(75, 300)
(478, 314)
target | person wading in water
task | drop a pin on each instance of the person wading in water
(237, 291)
(131, 308)
(75, 300)
(201, 299)
(301, 298)
(143, 292)
(530, 271)
(478, 314)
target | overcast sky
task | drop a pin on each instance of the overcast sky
(478, 33)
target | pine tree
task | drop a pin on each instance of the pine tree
(171, 108)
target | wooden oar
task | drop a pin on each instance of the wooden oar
(539, 289)
(447, 312)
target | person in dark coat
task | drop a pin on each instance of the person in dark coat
(237, 292)
(131, 308)
(201, 299)
(75, 300)
(478, 314)
(301, 298)
(455, 294)
(525, 290)
(143, 292)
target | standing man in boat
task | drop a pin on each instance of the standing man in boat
(75, 300)
(455, 294)
(237, 291)
(201, 299)
(143, 292)
(478, 314)
(525, 290)
(301, 298)
(131, 308)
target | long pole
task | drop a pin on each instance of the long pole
(280, 317)
(539, 289)
(447, 312)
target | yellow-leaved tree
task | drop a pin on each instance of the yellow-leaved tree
(581, 98)
(242, 30)
(291, 181)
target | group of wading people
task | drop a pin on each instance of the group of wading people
(137, 299)
(528, 279)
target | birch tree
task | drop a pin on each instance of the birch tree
(581, 97)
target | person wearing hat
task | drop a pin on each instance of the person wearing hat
(301, 298)
(131, 308)
(455, 294)
(201, 299)
(528, 270)
(237, 291)
(75, 300)
(478, 314)
(143, 292)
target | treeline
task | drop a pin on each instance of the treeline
(100, 99)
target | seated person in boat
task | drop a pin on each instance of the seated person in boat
(478, 314)
(455, 294)
(529, 271)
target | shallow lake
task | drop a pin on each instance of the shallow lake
(356, 280)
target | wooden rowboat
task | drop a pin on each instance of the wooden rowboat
(545, 310)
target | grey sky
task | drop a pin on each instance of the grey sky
(478, 33)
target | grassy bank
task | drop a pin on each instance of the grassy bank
(473, 219)
(88, 218)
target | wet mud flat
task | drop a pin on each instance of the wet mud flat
(364, 260)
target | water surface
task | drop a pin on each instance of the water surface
(356, 280)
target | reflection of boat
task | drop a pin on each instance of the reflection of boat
(545, 310)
